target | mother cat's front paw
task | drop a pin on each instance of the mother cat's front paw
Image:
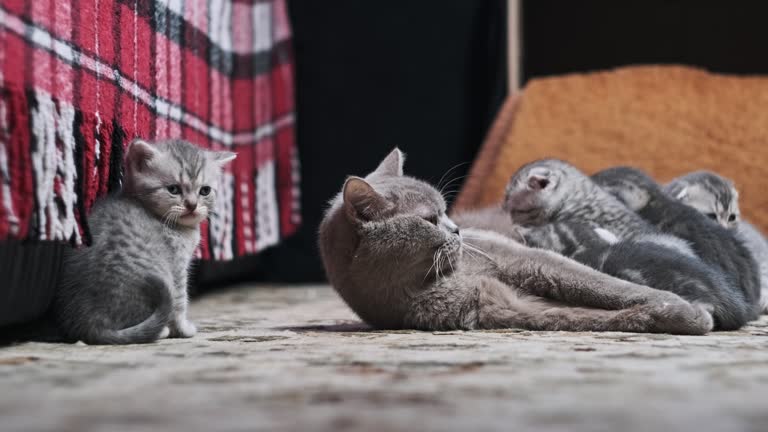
(683, 318)
(183, 329)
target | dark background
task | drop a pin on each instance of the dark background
(429, 75)
(425, 75)
(578, 36)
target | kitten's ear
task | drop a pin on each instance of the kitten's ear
(392, 165)
(140, 153)
(224, 157)
(362, 202)
(682, 194)
(538, 179)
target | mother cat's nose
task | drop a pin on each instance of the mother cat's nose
(448, 223)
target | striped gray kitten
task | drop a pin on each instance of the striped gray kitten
(717, 197)
(399, 261)
(572, 214)
(709, 193)
(551, 190)
(715, 245)
(130, 285)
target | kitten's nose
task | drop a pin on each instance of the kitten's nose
(190, 205)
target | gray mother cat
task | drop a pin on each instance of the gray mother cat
(398, 261)
(130, 285)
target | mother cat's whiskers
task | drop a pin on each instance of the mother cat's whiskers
(450, 263)
(477, 251)
(452, 183)
(439, 262)
(440, 185)
(451, 193)
(434, 261)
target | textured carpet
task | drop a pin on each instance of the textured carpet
(297, 359)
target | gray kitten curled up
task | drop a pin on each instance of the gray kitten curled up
(398, 261)
(715, 245)
(716, 197)
(551, 190)
(130, 285)
(571, 207)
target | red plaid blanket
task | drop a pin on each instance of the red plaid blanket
(80, 78)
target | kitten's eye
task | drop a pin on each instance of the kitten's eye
(431, 219)
(732, 218)
(205, 190)
(712, 216)
(174, 189)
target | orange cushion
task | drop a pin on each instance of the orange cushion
(667, 120)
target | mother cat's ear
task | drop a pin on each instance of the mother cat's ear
(362, 202)
(392, 165)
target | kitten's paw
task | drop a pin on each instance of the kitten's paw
(164, 333)
(185, 329)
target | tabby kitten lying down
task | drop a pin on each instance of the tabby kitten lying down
(716, 197)
(398, 261)
(130, 285)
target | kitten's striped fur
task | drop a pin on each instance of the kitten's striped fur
(572, 208)
(718, 198)
(711, 194)
(130, 285)
(716, 246)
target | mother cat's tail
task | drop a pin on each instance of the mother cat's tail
(146, 331)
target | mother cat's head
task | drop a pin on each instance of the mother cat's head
(385, 238)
